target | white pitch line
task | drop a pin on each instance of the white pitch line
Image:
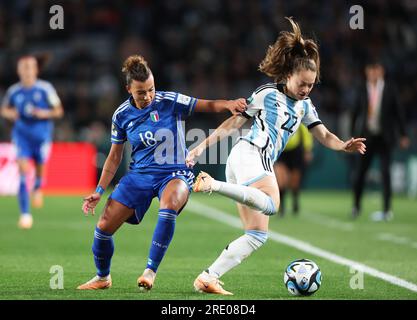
(328, 222)
(216, 214)
(399, 240)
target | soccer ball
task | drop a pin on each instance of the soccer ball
(302, 277)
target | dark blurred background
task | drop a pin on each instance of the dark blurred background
(206, 49)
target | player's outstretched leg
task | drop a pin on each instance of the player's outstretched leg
(249, 196)
(234, 253)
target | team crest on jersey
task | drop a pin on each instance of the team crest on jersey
(113, 130)
(301, 113)
(154, 116)
(28, 109)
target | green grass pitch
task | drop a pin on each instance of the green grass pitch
(62, 236)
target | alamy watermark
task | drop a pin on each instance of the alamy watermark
(57, 279)
(357, 280)
(357, 20)
(57, 19)
(169, 147)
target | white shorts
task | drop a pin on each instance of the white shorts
(247, 164)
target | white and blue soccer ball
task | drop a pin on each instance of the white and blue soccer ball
(302, 277)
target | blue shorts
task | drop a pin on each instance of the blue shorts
(136, 190)
(38, 151)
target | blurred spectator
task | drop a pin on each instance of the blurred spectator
(379, 118)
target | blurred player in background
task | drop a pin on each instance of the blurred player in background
(151, 121)
(379, 117)
(290, 166)
(31, 104)
(277, 109)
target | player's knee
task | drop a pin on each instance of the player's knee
(104, 223)
(175, 195)
(174, 203)
(257, 238)
(277, 203)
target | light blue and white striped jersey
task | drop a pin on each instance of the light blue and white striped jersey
(276, 118)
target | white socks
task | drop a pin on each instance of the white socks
(236, 251)
(249, 196)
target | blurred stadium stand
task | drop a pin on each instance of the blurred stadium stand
(206, 49)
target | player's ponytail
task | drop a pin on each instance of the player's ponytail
(290, 53)
(136, 68)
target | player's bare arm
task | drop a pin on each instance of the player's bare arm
(111, 165)
(234, 106)
(56, 112)
(9, 113)
(330, 140)
(227, 128)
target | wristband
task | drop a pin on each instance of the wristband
(100, 190)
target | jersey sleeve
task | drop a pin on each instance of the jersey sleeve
(255, 103)
(7, 101)
(184, 105)
(52, 96)
(118, 134)
(311, 117)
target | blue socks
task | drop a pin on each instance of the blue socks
(103, 246)
(103, 249)
(23, 196)
(162, 236)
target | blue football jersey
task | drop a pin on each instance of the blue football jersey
(41, 95)
(155, 133)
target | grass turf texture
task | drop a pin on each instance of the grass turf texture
(63, 236)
